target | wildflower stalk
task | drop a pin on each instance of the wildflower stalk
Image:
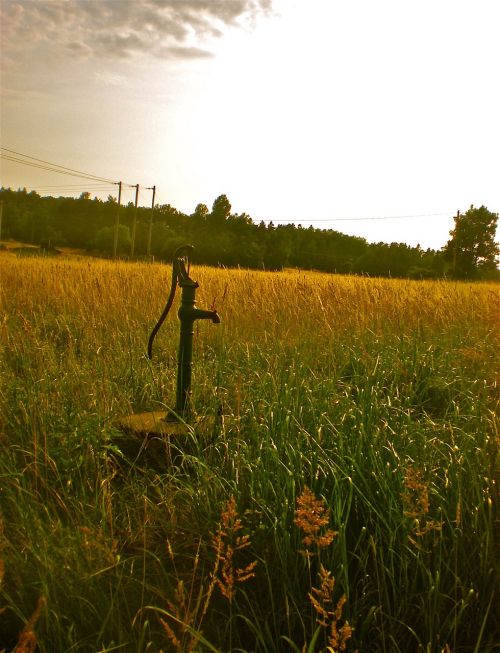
(227, 541)
(311, 517)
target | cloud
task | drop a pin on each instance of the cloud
(181, 52)
(120, 28)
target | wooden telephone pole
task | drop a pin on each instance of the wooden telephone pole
(455, 246)
(134, 223)
(151, 222)
(117, 222)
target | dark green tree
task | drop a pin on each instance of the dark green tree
(472, 251)
(200, 212)
(221, 210)
(105, 238)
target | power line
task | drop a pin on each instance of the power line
(71, 189)
(52, 167)
(75, 185)
(40, 166)
(379, 217)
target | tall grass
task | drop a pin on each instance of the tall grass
(378, 395)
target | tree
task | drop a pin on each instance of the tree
(471, 252)
(200, 212)
(105, 238)
(221, 210)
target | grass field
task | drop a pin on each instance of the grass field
(347, 501)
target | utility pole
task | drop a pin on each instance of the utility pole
(151, 222)
(134, 223)
(1, 212)
(457, 219)
(117, 222)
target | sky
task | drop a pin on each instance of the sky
(378, 119)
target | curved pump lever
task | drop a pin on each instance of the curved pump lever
(180, 259)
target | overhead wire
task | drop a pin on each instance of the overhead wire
(379, 217)
(80, 189)
(34, 162)
(71, 188)
(76, 184)
(52, 167)
(40, 166)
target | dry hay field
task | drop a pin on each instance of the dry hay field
(347, 500)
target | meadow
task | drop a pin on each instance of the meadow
(345, 498)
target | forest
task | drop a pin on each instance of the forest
(223, 238)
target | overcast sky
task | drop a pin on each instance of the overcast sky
(308, 111)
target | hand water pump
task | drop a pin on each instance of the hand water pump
(173, 422)
(188, 314)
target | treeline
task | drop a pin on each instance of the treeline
(219, 236)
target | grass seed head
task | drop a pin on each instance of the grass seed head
(28, 642)
(226, 542)
(328, 613)
(415, 494)
(311, 516)
(416, 505)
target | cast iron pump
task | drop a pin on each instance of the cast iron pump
(187, 313)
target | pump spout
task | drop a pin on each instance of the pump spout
(190, 313)
(200, 314)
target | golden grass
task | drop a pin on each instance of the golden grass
(98, 313)
(75, 328)
(102, 294)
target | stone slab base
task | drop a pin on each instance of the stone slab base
(158, 439)
(159, 424)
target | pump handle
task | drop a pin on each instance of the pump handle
(180, 259)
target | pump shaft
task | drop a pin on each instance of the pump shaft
(188, 313)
